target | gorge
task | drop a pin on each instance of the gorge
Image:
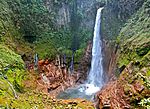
(47, 52)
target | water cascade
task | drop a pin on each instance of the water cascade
(95, 79)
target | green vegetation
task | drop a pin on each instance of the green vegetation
(32, 100)
(12, 73)
(9, 58)
(135, 83)
(30, 26)
(135, 37)
(145, 103)
(134, 53)
(14, 79)
(34, 24)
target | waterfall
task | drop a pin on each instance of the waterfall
(95, 78)
(36, 59)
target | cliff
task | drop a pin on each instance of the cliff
(51, 27)
(127, 29)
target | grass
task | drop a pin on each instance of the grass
(135, 47)
(9, 58)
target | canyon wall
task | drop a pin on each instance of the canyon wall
(116, 15)
(126, 34)
(86, 10)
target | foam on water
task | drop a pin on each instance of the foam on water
(89, 89)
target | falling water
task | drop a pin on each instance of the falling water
(95, 79)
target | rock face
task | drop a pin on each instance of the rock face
(64, 15)
(119, 25)
(115, 14)
(85, 64)
(128, 52)
(110, 58)
(86, 11)
(62, 12)
(54, 78)
(110, 99)
(126, 92)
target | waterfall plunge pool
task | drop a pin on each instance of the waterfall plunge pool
(85, 91)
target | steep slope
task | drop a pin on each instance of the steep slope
(135, 36)
(131, 89)
(28, 27)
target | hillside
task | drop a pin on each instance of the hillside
(46, 48)
(132, 57)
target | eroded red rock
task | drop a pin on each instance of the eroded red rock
(58, 78)
(124, 92)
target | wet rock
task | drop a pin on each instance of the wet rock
(85, 64)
